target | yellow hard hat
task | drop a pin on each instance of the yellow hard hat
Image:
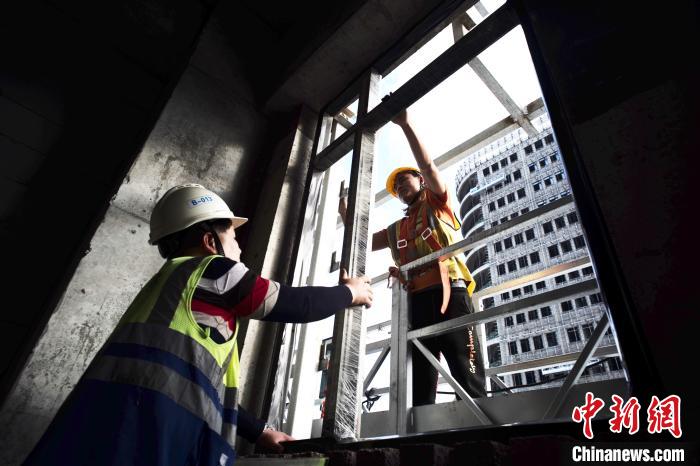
(183, 206)
(392, 178)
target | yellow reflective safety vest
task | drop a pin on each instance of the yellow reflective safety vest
(419, 234)
(159, 391)
(161, 317)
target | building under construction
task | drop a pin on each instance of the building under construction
(574, 194)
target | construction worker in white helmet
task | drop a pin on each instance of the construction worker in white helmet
(163, 390)
(438, 292)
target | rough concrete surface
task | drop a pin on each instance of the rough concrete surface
(100, 291)
(271, 243)
(204, 135)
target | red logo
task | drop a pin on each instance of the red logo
(661, 415)
(665, 415)
(626, 415)
(586, 412)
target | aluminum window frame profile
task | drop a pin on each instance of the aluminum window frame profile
(344, 402)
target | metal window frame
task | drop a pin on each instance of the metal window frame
(343, 400)
(360, 137)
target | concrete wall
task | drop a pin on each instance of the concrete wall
(81, 86)
(625, 102)
(209, 132)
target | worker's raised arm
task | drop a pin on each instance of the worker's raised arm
(431, 175)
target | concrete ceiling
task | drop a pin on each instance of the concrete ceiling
(270, 41)
(307, 52)
(349, 50)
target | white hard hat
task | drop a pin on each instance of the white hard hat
(183, 206)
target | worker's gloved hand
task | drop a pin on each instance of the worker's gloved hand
(395, 274)
(359, 287)
(343, 208)
(270, 440)
(401, 118)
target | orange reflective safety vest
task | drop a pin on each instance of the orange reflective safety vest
(425, 230)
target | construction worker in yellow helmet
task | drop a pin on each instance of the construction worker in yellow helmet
(438, 292)
(163, 389)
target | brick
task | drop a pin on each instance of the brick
(342, 458)
(544, 450)
(379, 457)
(425, 453)
(483, 453)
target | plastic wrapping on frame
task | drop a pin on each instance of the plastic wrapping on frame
(346, 414)
(348, 399)
(278, 403)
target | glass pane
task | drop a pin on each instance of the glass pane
(334, 126)
(349, 113)
(318, 264)
(378, 325)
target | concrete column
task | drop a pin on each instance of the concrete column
(273, 236)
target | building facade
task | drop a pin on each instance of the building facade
(539, 274)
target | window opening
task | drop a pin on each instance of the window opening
(473, 177)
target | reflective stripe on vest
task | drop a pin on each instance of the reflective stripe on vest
(433, 234)
(404, 233)
(158, 345)
(228, 430)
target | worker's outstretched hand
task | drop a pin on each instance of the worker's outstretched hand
(360, 288)
(270, 440)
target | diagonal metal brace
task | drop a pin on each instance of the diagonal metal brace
(375, 368)
(468, 400)
(500, 384)
(557, 404)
